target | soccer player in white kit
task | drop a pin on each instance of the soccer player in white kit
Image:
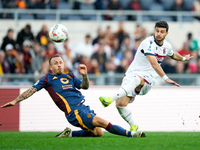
(140, 76)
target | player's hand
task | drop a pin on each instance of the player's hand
(172, 82)
(82, 69)
(9, 104)
(188, 57)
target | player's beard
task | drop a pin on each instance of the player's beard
(59, 71)
(160, 39)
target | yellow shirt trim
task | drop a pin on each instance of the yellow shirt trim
(66, 103)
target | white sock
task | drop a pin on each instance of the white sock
(133, 133)
(126, 115)
(125, 89)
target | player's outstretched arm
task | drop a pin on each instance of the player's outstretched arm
(159, 70)
(83, 71)
(21, 97)
(177, 56)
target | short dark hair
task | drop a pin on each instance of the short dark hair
(10, 30)
(28, 26)
(87, 36)
(189, 35)
(162, 24)
(52, 58)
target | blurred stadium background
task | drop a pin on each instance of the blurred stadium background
(104, 35)
(117, 25)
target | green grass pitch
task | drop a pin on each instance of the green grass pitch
(152, 141)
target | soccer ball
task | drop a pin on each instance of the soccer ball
(58, 33)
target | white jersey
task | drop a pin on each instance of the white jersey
(149, 46)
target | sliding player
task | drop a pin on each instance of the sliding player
(63, 90)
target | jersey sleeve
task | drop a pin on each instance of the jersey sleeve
(147, 48)
(170, 52)
(41, 83)
(77, 82)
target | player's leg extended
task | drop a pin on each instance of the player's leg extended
(80, 133)
(128, 84)
(115, 129)
(125, 112)
(92, 133)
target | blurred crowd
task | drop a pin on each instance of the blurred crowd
(190, 47)
(119, 5)
(108, 52)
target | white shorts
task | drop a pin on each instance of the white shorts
(149, 82)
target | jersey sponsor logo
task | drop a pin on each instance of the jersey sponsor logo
(37, 82)
(68, 86)
(159, 58)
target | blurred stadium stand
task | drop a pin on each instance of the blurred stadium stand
(153, 10)
(154, 13)
(101, 79)
(156, 10)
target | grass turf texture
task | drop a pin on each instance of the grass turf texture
(153, 141)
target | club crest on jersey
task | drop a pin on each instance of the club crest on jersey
(164, 51)
(89, 115)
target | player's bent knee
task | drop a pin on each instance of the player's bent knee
(98, 132)
(123, 102)
(120, 104)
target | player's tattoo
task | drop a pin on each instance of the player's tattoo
(26, 94)
(85, 82)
